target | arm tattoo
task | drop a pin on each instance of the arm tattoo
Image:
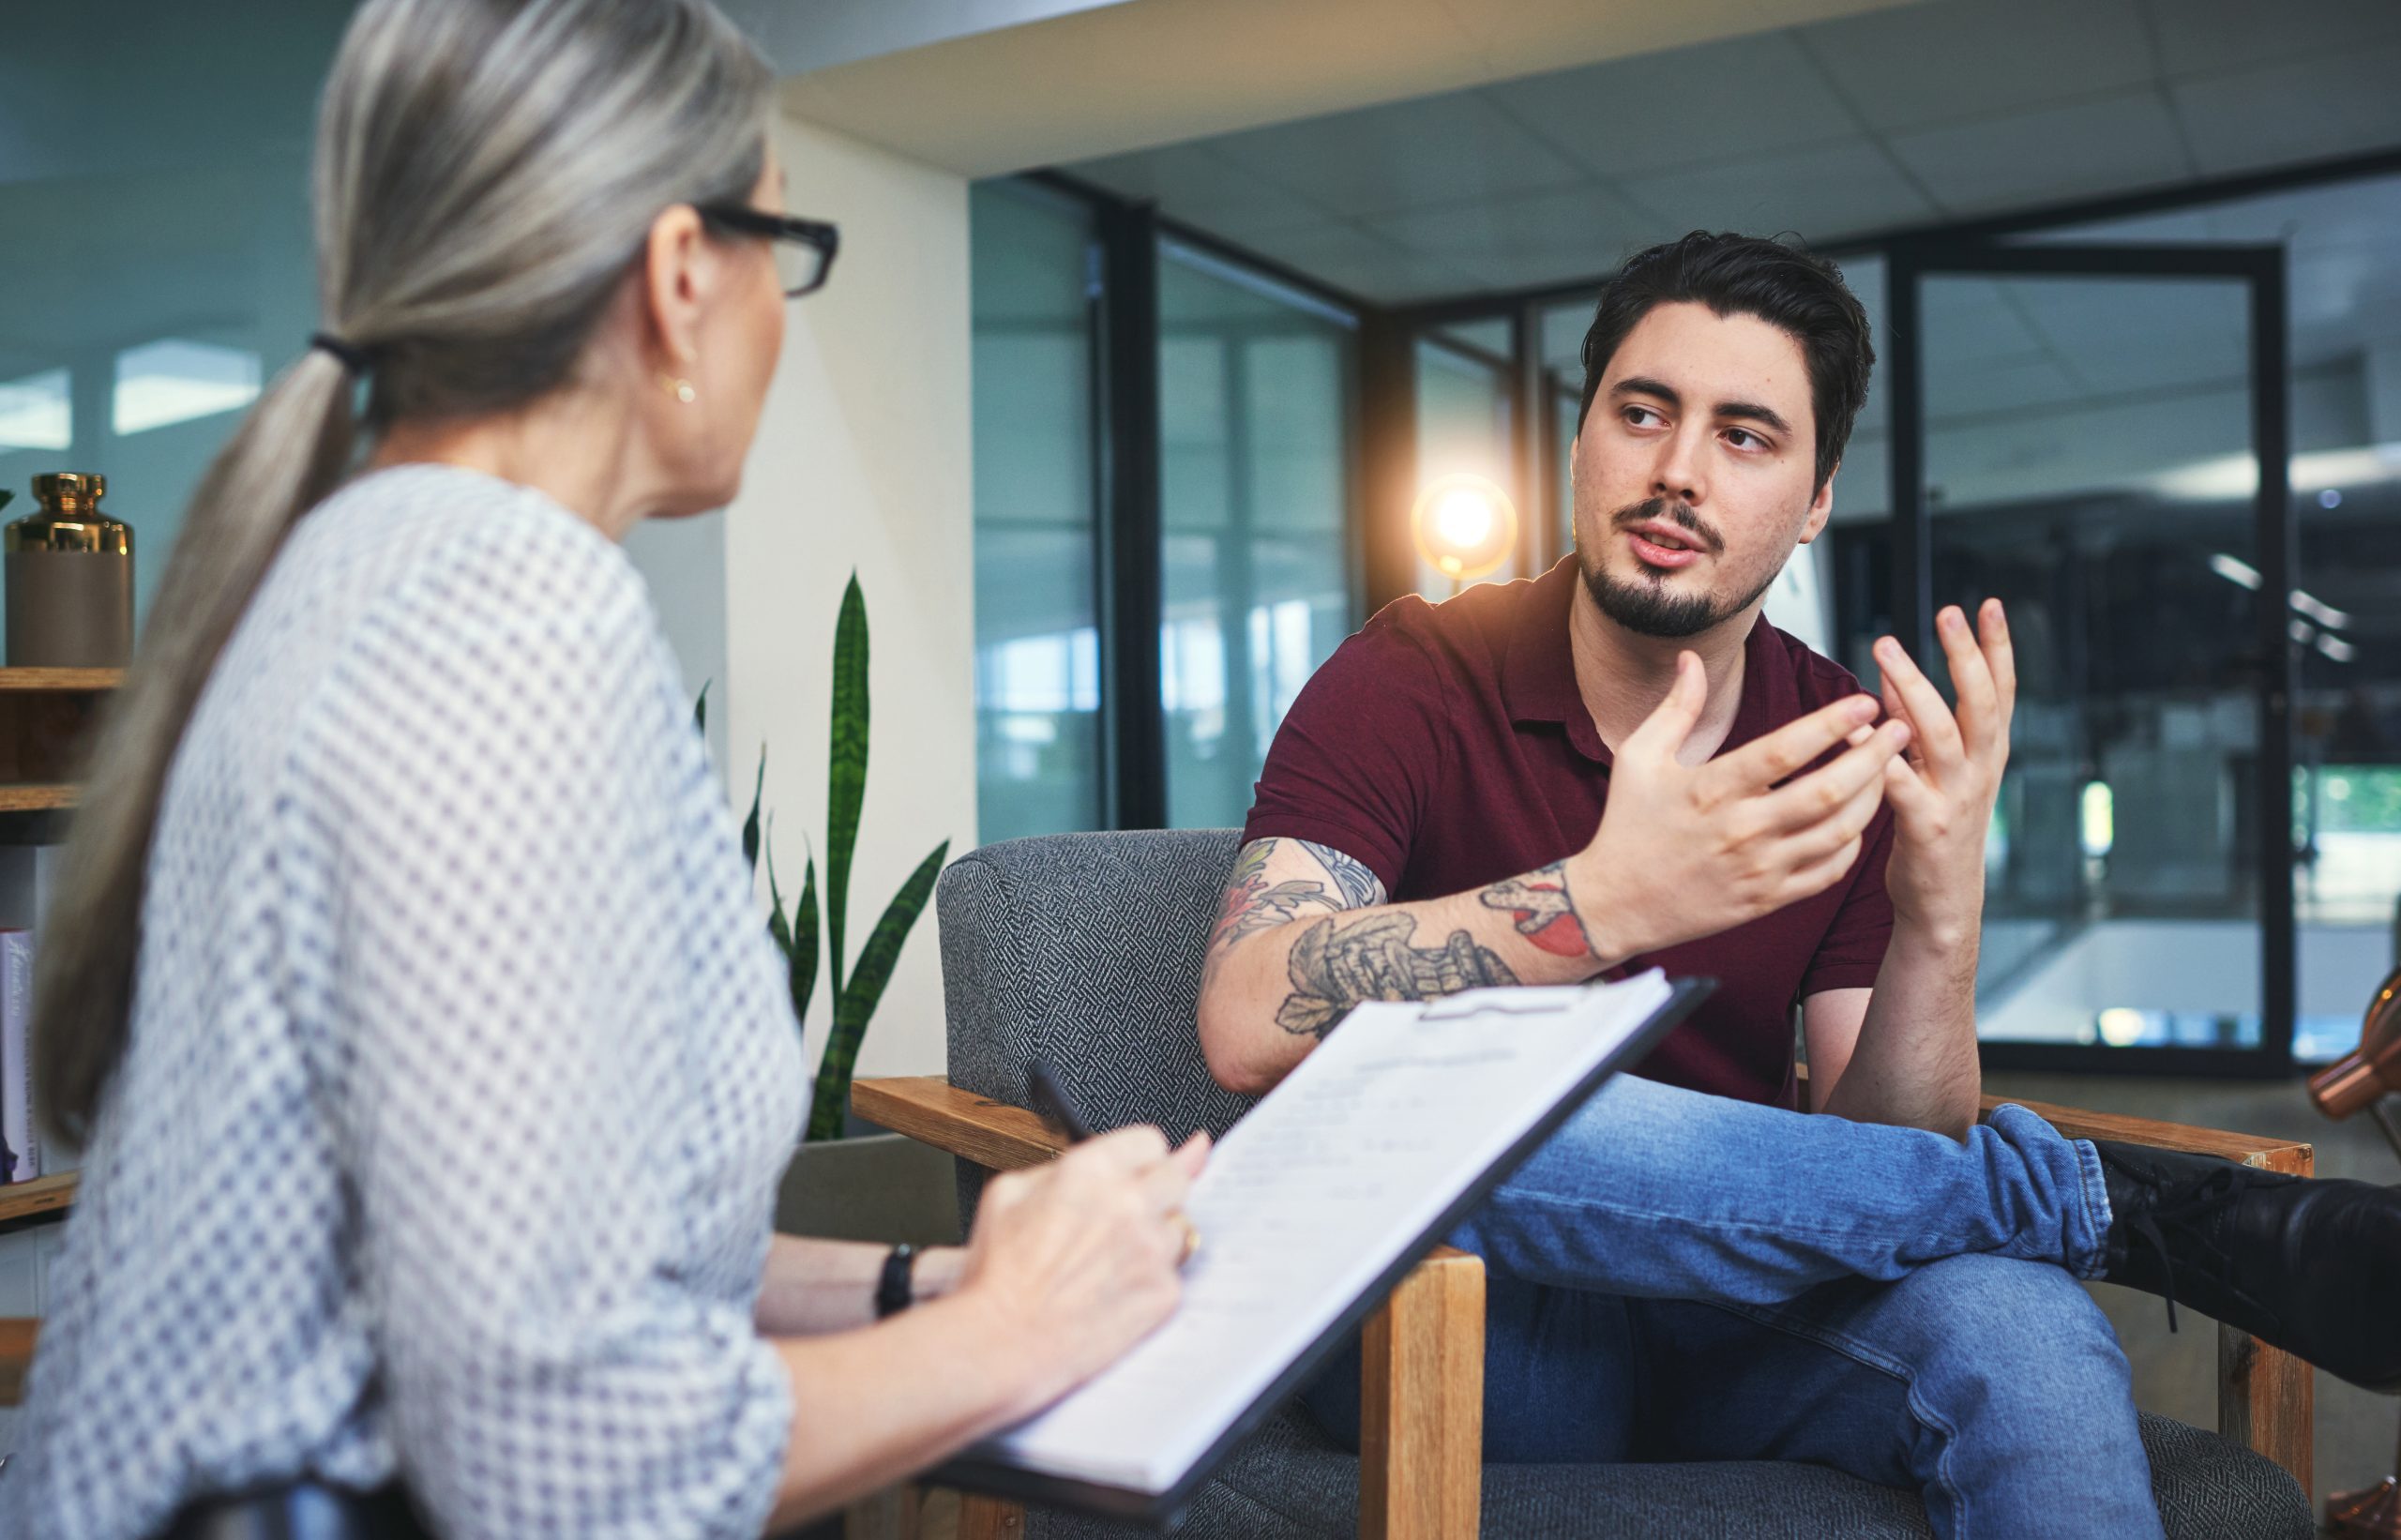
(1544, 913)
(1251, 906)
(1371, 958)
(1360, 887)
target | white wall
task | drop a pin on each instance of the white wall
(862, 462)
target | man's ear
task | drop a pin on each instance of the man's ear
(1821, 506)
(676, 274)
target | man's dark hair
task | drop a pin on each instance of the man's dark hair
(1794, 290)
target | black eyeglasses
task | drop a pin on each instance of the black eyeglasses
(804, 248)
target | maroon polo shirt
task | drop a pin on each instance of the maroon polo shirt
(1446, 746)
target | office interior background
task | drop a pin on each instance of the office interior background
(1155, 317)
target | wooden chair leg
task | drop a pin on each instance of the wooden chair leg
(989, 1518)
(2266, 1400)
(1421, 1405)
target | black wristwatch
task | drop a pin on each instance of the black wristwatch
(894, 1294)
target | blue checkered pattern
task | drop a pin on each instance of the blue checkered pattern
(461, 1075)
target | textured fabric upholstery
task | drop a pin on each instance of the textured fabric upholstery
(1085, 949)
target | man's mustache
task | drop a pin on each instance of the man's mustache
(1675, 512)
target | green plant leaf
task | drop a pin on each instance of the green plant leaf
(778, 926)
(803, 944)
(699, 701)
(846, 773)
(750, 824)
(854, 1006)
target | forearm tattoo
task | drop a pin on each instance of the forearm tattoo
(1544, 911)
(1359, 886)
(1333, 968)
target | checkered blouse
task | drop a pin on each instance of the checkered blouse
(461, 1073)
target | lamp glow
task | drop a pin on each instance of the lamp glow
(1465, 526)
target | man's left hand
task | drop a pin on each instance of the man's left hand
(1941, 791)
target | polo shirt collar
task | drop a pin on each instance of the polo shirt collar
(1538, 673)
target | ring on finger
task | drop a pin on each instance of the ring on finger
(1191, 1246)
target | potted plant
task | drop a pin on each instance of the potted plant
(882, 1187)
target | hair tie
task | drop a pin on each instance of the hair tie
(356, 359)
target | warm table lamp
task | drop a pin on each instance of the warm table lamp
(2365, 1080)
(1465, 527)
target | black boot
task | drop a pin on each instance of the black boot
(2313, 1267)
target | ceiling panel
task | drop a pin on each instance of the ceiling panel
(1555, 236)
(1821, 192)
(1916, 65)
(2201, 35)
(2047, 155)
(1350, 258)
(1720, 103)
(1197, 185)
(2298, 111)
(1450, 149)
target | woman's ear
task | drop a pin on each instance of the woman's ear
(678, 271)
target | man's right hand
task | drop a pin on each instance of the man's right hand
(1687, 851)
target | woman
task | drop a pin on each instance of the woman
(404, 982)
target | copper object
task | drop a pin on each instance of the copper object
(69, 578)
(2363, 1079)
(2373, 1068)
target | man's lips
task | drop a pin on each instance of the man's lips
(1658, 542)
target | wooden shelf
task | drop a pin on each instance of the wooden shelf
(42, 1195)
(36, 799)
(62, 681)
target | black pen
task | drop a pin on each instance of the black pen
(1051, 1101)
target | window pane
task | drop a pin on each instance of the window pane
(1255, 469)
(2342, 245)
(160, 263)
(1038, 641)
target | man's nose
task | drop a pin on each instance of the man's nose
(1677, 472)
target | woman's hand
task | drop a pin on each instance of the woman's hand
(1078, 1260)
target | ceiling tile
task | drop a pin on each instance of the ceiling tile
(1915, 65)
(2118, 336)
(1956, 394)
(1823, 192)
(1451, 149)
(2301, 109)
(1718, 101)
(1583, 232)
(2053, 153)
(1195, 184)
(1364, 265)
(2197, 36)
(1970, 325)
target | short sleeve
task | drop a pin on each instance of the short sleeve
(1357, 760)
(1852, 952)
(494, 787)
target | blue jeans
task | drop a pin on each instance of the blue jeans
(1680, 1276)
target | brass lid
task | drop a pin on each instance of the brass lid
(70, 518)
(67, 490)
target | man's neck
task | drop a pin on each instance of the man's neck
(1622, 676)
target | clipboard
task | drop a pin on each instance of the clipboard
(1163, 1509)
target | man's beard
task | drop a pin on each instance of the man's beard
(1646, 606)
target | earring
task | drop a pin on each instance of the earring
(680, 388)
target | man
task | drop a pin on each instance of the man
(1619, 765)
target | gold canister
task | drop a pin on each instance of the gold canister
(69, 578)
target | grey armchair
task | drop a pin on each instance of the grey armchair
(1086, 950)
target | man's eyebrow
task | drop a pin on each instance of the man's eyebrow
(1637, 385)
(1757, 413)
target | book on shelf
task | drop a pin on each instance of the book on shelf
(16, 1074)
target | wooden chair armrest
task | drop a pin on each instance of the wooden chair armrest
(931, 1110)
(2274, 1154)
